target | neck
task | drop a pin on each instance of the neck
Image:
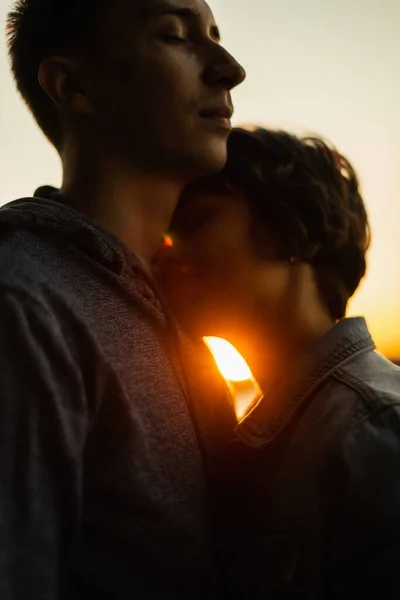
(136, 207)
(269, 349)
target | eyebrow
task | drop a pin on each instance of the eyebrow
(187, 14)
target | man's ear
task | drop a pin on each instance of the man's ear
(60, 79)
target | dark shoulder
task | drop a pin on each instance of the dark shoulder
(374, 379)
(374, 430)
(24, 260)
(32, 286)
(362, 393)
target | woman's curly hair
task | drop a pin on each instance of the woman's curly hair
(306, 204)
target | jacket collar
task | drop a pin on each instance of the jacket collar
(275, 410)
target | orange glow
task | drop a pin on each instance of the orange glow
(231, 364)
(168, 241)
(237, 374)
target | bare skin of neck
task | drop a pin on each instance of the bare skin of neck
(136, 207)
(270, 345)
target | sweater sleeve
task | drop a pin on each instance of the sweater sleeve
(43, 423)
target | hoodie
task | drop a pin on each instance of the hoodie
(102, 490)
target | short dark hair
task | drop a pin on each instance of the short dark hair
(306, 204)
(37, 29)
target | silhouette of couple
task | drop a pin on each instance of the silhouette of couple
(124, 472)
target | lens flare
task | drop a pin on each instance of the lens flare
(244, 388)
(231, 364)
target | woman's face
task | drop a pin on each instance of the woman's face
(211, 274)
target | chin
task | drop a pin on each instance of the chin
(205, 159)
(214, 156)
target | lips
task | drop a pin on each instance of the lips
(219, 117)
(223, 112)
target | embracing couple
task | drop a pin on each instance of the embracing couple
(124, 472)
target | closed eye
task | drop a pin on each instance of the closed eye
(174, 38)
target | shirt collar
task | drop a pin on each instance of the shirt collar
(281, 402)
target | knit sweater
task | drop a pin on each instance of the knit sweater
(102, 487)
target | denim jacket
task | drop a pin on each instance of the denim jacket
(317, 497)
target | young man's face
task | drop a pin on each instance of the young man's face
(212, 276)
(160, 85)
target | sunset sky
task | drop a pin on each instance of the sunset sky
(330, 67)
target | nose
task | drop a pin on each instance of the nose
(224, 71)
